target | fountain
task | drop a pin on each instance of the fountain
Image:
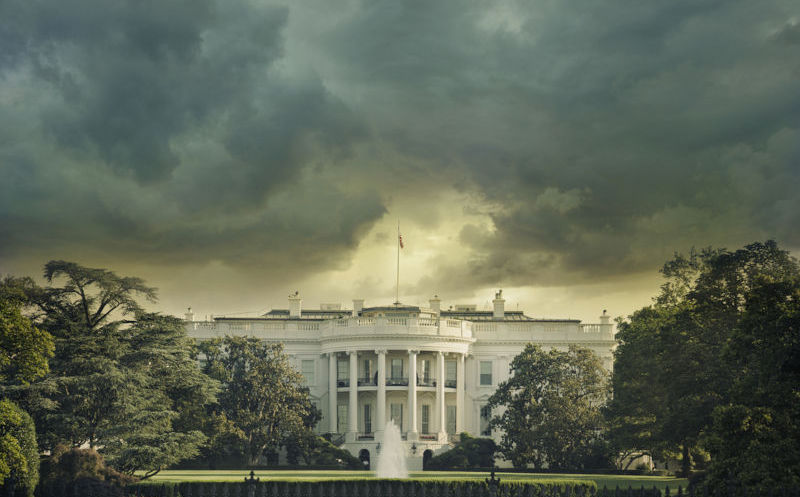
(392, 458)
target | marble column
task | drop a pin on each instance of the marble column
(440, 410)
(352, 409)
(412, 395)
(380, 421)
(460, 394)
(333, 392)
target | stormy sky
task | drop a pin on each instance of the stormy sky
(230, 152)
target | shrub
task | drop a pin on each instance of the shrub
(80, 472)
(469, 453)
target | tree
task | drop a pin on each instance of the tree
(263, 396)
(551, 407)
(755, 438)
(675, 368)
(19, 455)
(24, 353)
(24, 349)
(122, 380)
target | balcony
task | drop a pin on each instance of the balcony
(366, 436)
(426, 382)
(368, 382)
(399, 381)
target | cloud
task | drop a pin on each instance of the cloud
(555, 143)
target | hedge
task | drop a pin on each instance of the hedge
(366, 488)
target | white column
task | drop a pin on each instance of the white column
(440, 411)
(412, 395)
(333, 392)
(352, 409)
(460, 394)
(380, 421)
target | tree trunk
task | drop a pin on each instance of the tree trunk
(686, 464)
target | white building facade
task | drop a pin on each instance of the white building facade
(430, 371)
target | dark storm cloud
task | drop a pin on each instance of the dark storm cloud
(607, 134)
(166, 131)
(599, 136)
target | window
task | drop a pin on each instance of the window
(342, 370)
(486, 373)
(367, 418)
(426, 418)
(450, 374)
(486, 415)
(397, 369)
(367, 371)
(425, 366)
(341, 419)
(307, 367)
(396, 415)
(451, 419)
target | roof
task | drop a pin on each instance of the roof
(309, 314)
(507, 316)
(325, 314)
(485, 315)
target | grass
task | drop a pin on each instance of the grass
(610, 481)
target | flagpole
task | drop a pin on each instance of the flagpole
(397, 287)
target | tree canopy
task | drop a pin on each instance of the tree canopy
(122, 380)
(713, 362)
(550, 408)
(263, 399)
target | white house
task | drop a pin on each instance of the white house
(358, 363)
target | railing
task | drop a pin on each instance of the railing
(427, 436)
(367, 382)
(400, 381)
(592, 328)
(366, 436)
(450, 383)
(342, 383)
(429, 382)
(395, 326)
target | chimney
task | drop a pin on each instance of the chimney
(436, 304)
(189, 316)
(605, 318)
(499, 305)
(295, 305)
(358, 306)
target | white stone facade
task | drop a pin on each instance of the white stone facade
(360, 361)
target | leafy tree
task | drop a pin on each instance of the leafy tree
(19, 455)
(263, 396)
(755, 438)
(122, 380)
(674, 368)
(24, 353)
(551, 407)
(24, 349)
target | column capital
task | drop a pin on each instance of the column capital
(352, 352)
(380, 351)
(440, 353)
(413, 351)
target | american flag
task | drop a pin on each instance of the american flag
(400, 239)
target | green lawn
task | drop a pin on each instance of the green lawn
(610, 481)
